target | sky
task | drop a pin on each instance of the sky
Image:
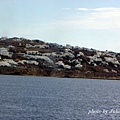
(84, 23)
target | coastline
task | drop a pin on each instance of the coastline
(54, 73)
(20, 56)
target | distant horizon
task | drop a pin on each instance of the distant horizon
(89, 23)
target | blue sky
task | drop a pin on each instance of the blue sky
(85, 23)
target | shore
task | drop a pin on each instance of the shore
(57, 73)
(20, 56)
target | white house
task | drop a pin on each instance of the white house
(28, 62)
(60, 63)
(41, 46)
(32, 52)
(4, 51)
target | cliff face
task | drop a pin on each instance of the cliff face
(20, 56)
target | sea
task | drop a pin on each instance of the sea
(49, 98)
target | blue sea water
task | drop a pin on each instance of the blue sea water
(47, 98)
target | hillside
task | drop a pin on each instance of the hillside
(20, 56)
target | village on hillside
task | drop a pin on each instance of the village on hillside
(21, 56)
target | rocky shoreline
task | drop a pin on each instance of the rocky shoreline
(20, 56)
